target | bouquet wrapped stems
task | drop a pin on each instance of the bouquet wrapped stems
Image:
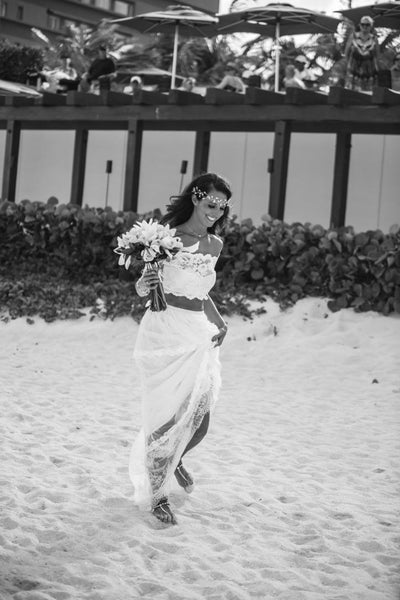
(157, 297)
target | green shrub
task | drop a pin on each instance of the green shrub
(56, 260)
(16, 62)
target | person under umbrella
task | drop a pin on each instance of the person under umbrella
(362, 57)
(231, 81)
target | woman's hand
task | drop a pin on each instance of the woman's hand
(148, 281)
(220, 336)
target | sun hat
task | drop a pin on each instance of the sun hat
(301, 59)
(366, 19)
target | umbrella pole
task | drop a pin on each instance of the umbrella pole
(175, 56)
(277, 55)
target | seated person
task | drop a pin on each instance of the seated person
(395, 74)
(135, 84)
(187, 84)
(231, 81)
(302, 72)
(290, 79)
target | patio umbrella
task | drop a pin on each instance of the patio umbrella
(11, 88)
(276, 20)
(386, 14)
(179, 20)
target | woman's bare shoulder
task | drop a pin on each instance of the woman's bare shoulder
(216, 243)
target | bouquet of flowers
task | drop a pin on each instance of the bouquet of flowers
(150, 242)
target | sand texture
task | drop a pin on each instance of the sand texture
(297, 482)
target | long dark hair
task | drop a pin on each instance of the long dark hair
(181, 207)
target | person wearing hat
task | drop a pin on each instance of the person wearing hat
(135, 84)
(231, 81)
(361, 55)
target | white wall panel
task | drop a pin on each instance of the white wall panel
(310, 178)
(45, 165)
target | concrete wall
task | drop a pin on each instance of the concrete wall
(373, 200)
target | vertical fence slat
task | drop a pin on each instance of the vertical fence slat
(278, 181)
(10, 167)
(79, 165)
(132, 165)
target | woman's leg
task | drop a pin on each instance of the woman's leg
(184, 479)
(199, 434)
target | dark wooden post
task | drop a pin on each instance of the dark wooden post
(340, 179)
(10, 167)
(279, 170)
(201, 152)
(132, 165)
(79, 166)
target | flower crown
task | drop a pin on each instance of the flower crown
(201, 194)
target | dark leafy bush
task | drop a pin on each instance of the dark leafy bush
(56, 260)
(16, 62)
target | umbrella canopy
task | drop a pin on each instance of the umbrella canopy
(276, 20)
(386, 14)
(179, 20)
(11, 88)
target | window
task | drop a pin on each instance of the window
(53, 22)
(123, 8)
(20, 13)
(3, 9)
(105, 4)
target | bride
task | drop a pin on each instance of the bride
(176, 351)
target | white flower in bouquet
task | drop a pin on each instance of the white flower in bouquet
(148, 241)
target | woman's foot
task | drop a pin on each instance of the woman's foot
(184, 479)
(162, 511)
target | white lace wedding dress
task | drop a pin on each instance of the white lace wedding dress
(179, 372)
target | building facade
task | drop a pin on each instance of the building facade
(17, 17)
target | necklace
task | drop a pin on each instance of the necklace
(200, 236)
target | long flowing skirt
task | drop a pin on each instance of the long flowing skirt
(179, 373)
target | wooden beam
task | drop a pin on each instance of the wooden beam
(300, 96)
(340, 179)
(79, 166)
(342, 96)
(382, 95)
(132, 165)
(217, 96)
(149, 97)
(184, 98)
(256, 95)
(10, 166)
(279, 170)
(201, 152)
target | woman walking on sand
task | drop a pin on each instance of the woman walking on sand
(176, 350)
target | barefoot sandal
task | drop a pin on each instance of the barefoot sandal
(160, 504)
(184, 479)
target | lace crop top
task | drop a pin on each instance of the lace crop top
(189, 274)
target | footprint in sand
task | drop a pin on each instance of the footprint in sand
(25, 584)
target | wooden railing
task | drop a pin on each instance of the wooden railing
(341, 111)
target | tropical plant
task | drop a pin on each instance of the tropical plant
(79, 43)
(206, 60)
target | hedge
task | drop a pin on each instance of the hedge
(58, 259)
(17, 62)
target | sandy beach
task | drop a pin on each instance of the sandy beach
(297, 483)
